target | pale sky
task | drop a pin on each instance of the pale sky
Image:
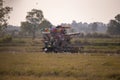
(65, 11)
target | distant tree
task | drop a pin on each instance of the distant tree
(4, 11)
(34, 18)
(34, 23)
(114, 26)
(72, 30)
(117, 18)
(94, 27)
(45, 24)
(26, 28)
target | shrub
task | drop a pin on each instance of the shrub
(6, 39)
(97, 35)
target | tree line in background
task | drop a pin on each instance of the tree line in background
(95, 29)
(35, 23)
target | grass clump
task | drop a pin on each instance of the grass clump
(6, 39)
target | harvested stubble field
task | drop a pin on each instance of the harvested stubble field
(61, 66)
(22, 59)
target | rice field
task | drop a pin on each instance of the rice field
(22, 59)
(60, 66)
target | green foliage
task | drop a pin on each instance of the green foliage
(45, 24)
(35, 16)
(97, 35)
(34, 23)
(117, 17)
(94, 26)
(27, 27)
(33, 19)
(114, 26)
(4, 11)
(6, 39)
